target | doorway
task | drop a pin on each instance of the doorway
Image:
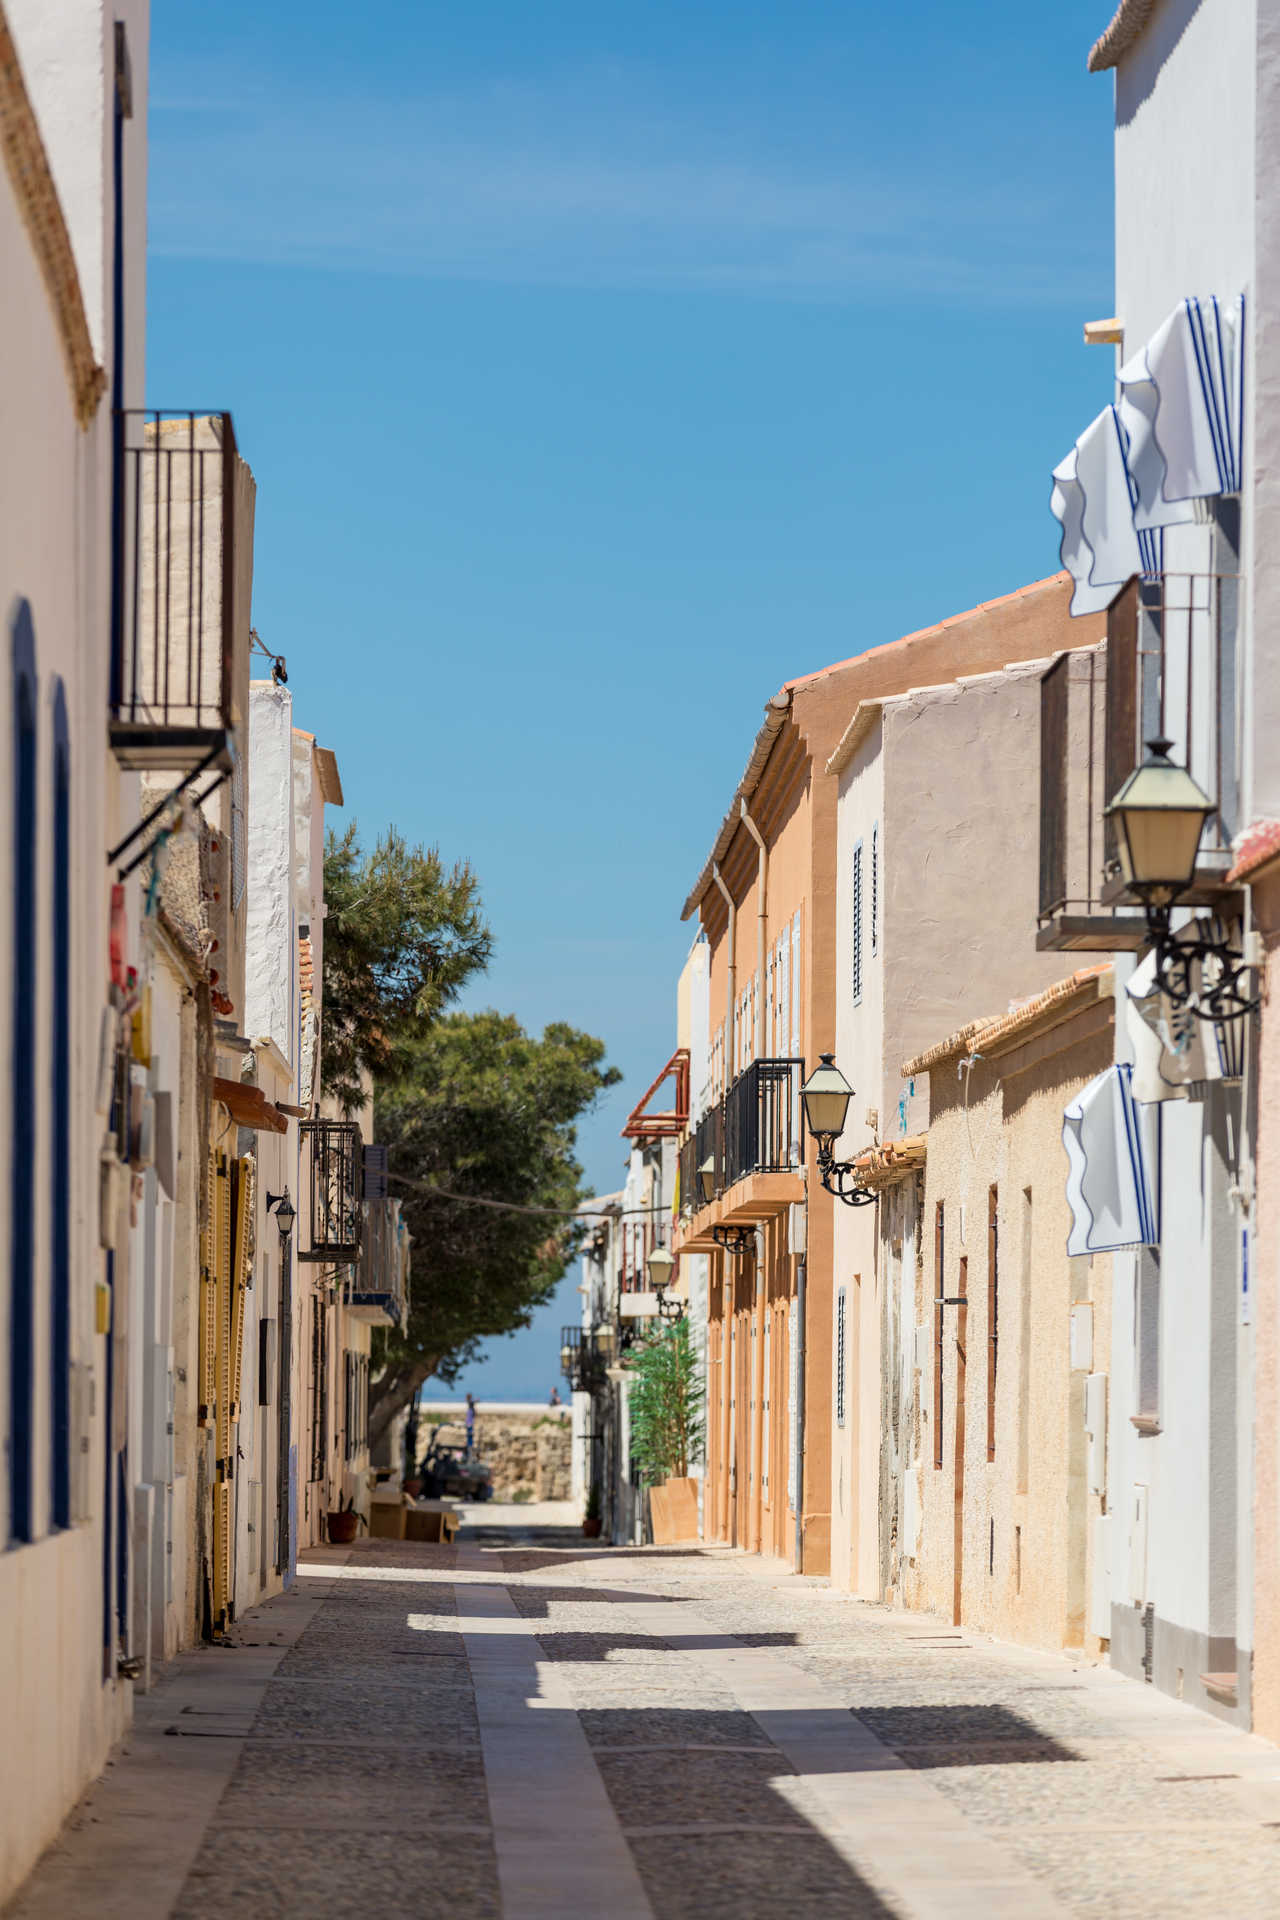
(962, 1316)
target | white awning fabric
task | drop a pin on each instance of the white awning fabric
(1112, 1144)
(1172, 439)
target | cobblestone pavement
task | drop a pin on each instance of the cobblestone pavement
(526, 1726)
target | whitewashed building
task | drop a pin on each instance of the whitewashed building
(1164, 505)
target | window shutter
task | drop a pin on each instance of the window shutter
(875, 887)
(796, 986)
(856, 961)
(375, 1173)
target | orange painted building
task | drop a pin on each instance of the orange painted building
(749, 1196)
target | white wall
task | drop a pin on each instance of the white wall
(855, 1447)
(59, 1681)
(1189, 204)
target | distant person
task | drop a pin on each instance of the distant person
(471, 1426)
(554, 1401)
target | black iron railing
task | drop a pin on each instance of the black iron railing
(173, 616)
(332, 1165)
(763, 1129)
(1168, 669)
(690, 1190)
(583, 1360)
(708, 1139)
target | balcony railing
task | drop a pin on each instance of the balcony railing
(584, 1360)
(332, 1166)
(379, 1287)
(763, 1129)
(177, 567)
(1168, 668)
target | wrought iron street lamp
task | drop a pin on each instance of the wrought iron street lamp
(707, 1179)
(1159, 815)
(662, 1268)
(825, 1096)
(286, 1213)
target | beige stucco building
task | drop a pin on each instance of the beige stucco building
(995, 1476)
(936, 890)
(773, 903)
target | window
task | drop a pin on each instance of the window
(22, 1084)
(840, 1358)
(857, 924)
(993, 1314)
(60, 1144)
(939, 1289)
(875, 887)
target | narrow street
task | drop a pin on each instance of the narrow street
(525, 1725)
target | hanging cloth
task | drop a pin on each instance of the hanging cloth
(1172, 440)
(1112, 1145)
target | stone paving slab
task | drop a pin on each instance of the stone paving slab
(545, 1730)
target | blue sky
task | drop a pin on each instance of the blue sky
(602, 367)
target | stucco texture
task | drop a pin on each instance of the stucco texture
(1011, 1497)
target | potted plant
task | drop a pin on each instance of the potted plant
(591, 1519)
(667, 1401)
(344, 1523)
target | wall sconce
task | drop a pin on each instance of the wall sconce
(282, 1206)
(1159, 815)
(662, 1269)
(826, 1095)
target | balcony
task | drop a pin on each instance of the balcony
(1167, 668)
(183, 540)
(378, 1291)
(585, 1358)
(332, 1171)
(754, 1139)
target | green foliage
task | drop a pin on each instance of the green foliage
(593, 1502)
(482, 1111)
(402, 937)
(666, 1402)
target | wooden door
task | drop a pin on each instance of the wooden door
(962, 1313)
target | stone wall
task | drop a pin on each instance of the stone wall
(527, 1452)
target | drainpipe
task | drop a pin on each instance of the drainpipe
(732, 1065)
(762, 909)
(801, 1265)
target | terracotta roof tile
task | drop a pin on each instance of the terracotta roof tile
(1259, 846)
(986, 1036)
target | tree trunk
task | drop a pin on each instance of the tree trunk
(393, 1392)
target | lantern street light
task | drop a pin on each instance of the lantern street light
(662, 1268)
(707, 1179)
(1160, 814)
(825, 1096)
(282, 1206)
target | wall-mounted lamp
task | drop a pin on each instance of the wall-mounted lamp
(707, 1179)
(286, 1213)
(1159, 815)
(662, 1270)
(826, 1095)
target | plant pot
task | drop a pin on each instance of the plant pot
(591, 1528)
(343, 1528)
